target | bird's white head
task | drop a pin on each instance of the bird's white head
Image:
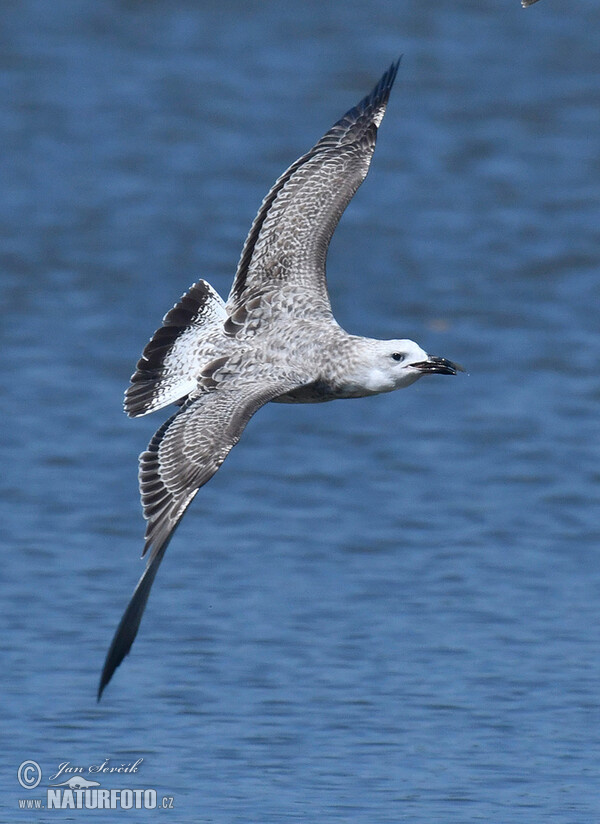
(393, 364)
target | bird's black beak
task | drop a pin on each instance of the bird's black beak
(437, 366)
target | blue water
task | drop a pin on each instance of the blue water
(380, 610)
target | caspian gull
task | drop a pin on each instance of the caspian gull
(274, 340)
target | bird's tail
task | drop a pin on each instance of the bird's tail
(166, 371)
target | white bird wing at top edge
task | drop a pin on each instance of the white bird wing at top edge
(288, 241)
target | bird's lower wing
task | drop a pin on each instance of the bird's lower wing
(181, 457)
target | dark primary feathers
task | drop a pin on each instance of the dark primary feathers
(182, 456)
(289, 238)
(285, 249)
(130, 622)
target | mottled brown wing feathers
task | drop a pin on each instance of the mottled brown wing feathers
(182, 456)
(289, 238)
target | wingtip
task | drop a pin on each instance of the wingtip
(377, 100)
(129, 625)
(395, 66)
(387, 80)
(101, 686)
(107, 671)
(113, 660)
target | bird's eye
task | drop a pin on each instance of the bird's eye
(398, 356)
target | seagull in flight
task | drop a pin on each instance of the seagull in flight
(274, 340)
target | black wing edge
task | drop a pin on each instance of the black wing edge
(130, 622)
(163, 519)
(351, 127)
(526, 3)
(362, 118)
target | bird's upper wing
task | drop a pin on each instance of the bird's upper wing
(181, 457)
(288, 241)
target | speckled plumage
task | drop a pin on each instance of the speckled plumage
(274, 340)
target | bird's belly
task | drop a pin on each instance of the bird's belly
(316, 392)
